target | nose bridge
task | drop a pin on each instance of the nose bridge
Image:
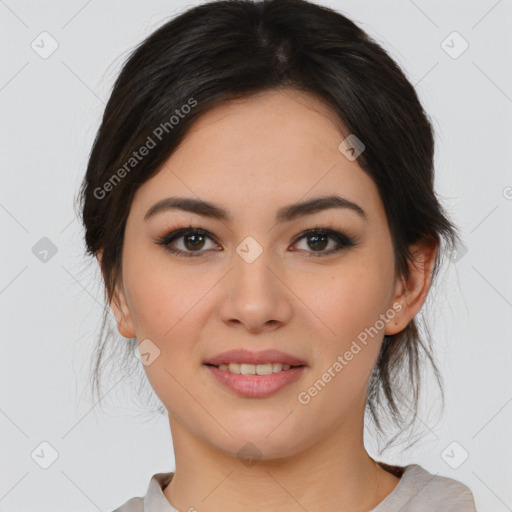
(252, 261)
(255, 295)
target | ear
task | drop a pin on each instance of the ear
(119, 307)
(410, 295)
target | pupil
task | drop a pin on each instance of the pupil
(316, 238)
(194, 244)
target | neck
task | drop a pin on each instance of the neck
(335, 473)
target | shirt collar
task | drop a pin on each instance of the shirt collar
(155, 500)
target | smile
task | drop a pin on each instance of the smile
(254, 369)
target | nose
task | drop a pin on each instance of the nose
(255, 295)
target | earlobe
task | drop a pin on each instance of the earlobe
(120, 309)
(122, 314)
(411, 293)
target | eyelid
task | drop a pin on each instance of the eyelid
(343, 240)
(341, 237)
(176, 234)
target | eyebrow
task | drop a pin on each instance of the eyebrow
(284, 214)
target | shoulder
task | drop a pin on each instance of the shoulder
(427, 491)
(421, 491)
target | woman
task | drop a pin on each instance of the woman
(260, 200)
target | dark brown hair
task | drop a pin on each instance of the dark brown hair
(229, 49)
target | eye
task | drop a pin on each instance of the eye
(193, 240)
(318, 240)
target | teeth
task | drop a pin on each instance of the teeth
(264, 369)
(234, 368)
(247, 369)
(254, 369)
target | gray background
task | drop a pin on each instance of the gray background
(50, 310)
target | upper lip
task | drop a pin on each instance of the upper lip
(248, 357)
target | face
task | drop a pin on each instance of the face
(254, 280)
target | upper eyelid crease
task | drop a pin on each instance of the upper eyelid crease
(284, 214)
(343, 240)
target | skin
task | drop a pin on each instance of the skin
(252, 157)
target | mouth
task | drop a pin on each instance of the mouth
(255, 374)
(255, 369)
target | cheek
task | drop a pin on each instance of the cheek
(348, 299)
(349, 304)
(161, 295)
(169, 305)
(164, 305)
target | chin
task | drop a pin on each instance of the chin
(261, 442)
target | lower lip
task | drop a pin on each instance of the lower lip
(256, 386)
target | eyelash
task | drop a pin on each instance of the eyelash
(343, 241)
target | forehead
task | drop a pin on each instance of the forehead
(276, 147)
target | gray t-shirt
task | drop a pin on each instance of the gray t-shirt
(417, 491)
